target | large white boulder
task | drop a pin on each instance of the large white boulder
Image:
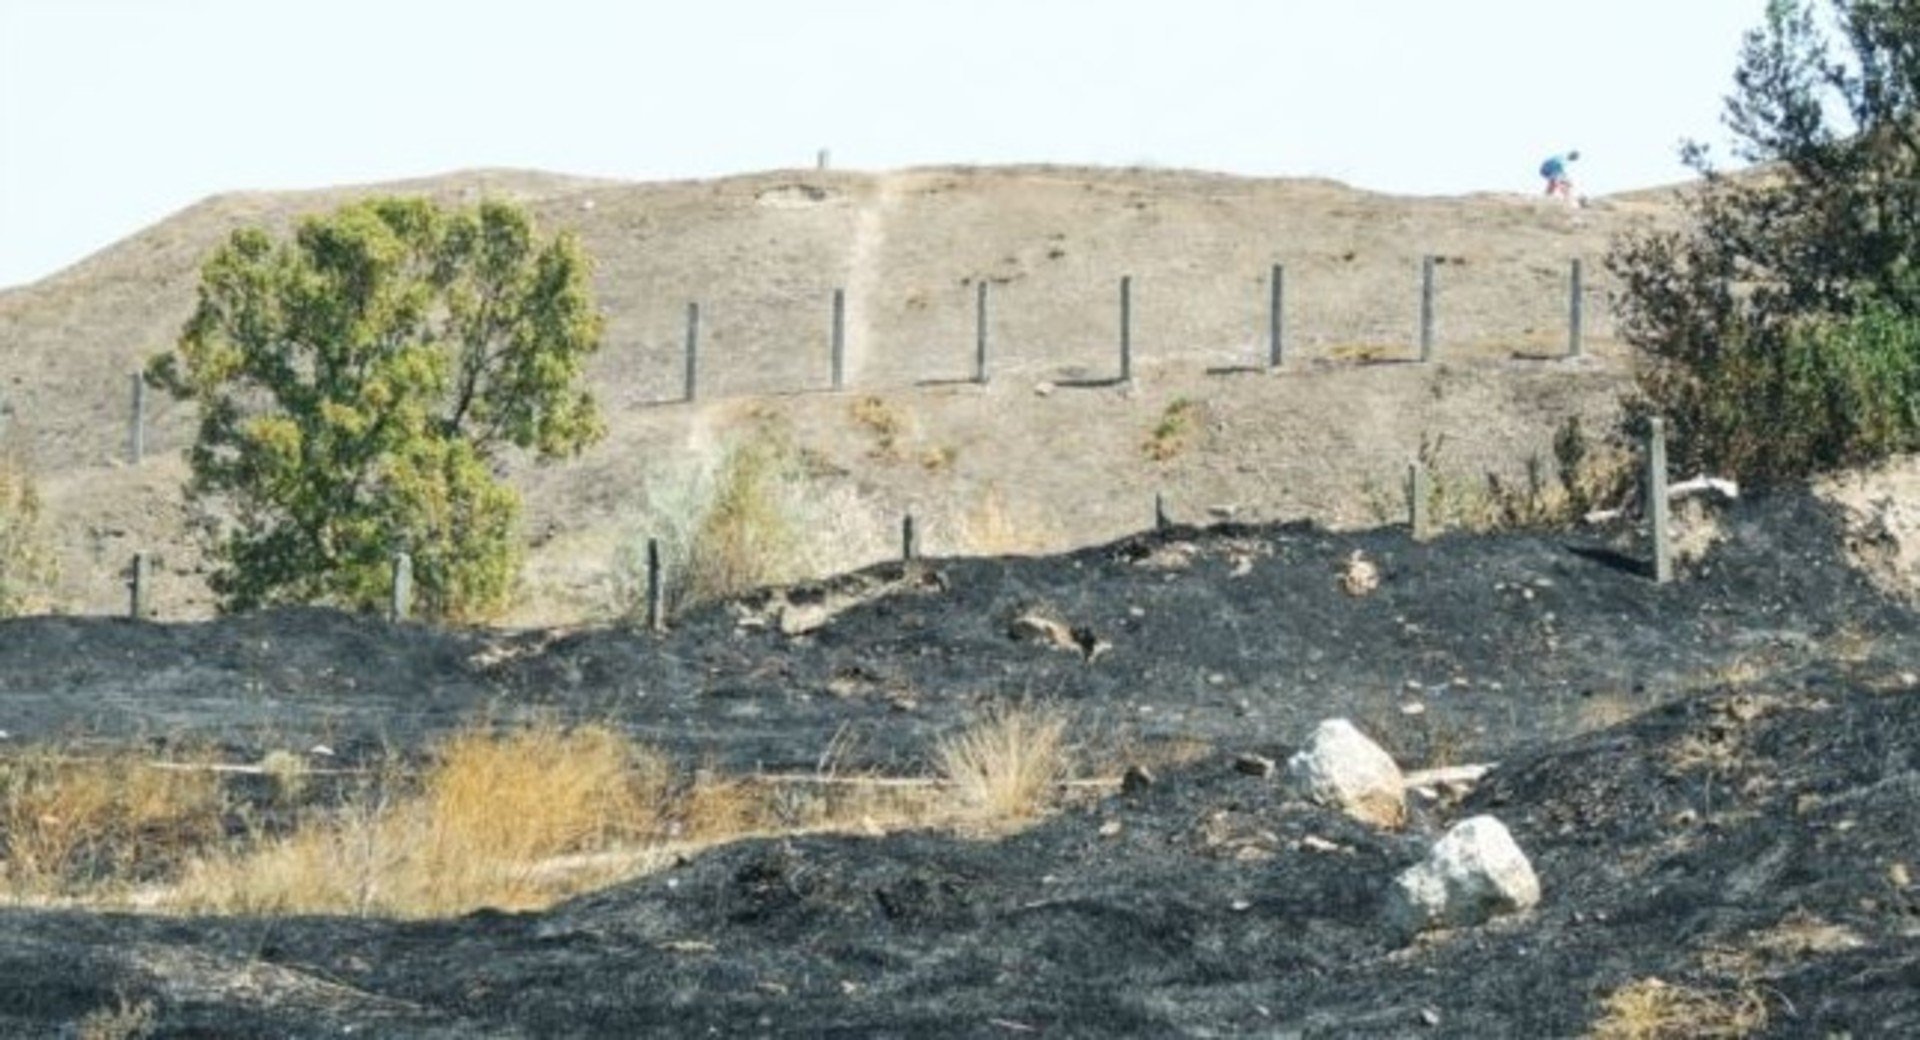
(1473, 874)
(1340, 768)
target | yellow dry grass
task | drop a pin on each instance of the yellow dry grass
(1650, 1009)
(73, 825)
(510, 819)
(1004, 769)
(490, 810)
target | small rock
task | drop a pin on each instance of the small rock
(1342, 769)
(1413, 708)
(1473, 874)
(1137, 779)
(1430, 1017)
(1359, 576)
(1043, 388)
(1110, 829)
(1240, 906)
(1899, 876)
(1315, 843)
(1253, 765)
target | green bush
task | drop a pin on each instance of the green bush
(1778, 326)
(357, 387)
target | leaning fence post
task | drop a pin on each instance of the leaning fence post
(1417, 501)
(1126, 328)
(1657, 500)
(839, 338)
(655, 593)
(137, 427)
(402, 603)
(1161, 521)
(909, 548)
(1576, 299)
(1276, 318)
(693, 349)
(980, 334)
(137, 588)
(1426, 308)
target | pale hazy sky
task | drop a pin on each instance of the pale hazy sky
(115, 113)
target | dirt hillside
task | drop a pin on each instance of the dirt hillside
(1051, 447)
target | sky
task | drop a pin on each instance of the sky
(116, 113)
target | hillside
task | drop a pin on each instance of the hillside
(1042, 470)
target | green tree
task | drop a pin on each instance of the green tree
(357, 386)
(1781, 324)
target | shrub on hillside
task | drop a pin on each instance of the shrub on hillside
(358, 385)
(1780, 326)
(756, 514)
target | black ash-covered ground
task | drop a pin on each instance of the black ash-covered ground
(1751, 830)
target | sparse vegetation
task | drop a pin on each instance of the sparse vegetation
(1650, 1009)
(126, 1020)
(26, 563)
(356, 386)
(883, 421)
(758, 514)
(1174, 430)
(1585, 476)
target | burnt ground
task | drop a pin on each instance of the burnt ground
(1718, 782)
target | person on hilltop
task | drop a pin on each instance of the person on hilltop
(1555, 171)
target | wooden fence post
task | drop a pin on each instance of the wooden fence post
(980, 334)
(839, 338)
(1657, 500)
(1161, 521)
(1276, 318)
(401, 605)
(1426, 308)
(137, 426)
(1576, 300)
(909, 547)
(1126, 328)
(1417, 504)
(693, 349)
(655, 593)
(137, 583)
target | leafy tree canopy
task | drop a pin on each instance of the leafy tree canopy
(357, 385)
(1780, 323)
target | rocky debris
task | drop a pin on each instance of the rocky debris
(1253, 765)
(1342, 769)
(1136, 780)
(1359, 576)
(1475, 873)
(1033, 626)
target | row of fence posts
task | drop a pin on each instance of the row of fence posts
(1276, 338)
(1418, 521)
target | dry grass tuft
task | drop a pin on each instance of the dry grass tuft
(491, 809)
(124, 1021)
(1171, 434)
(72, 825)
(1004, 768)
(991, 527)
(1650, 1009)
(27, 566)
(884, 422)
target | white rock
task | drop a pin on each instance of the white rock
(1340, 768)
(1473, 874)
